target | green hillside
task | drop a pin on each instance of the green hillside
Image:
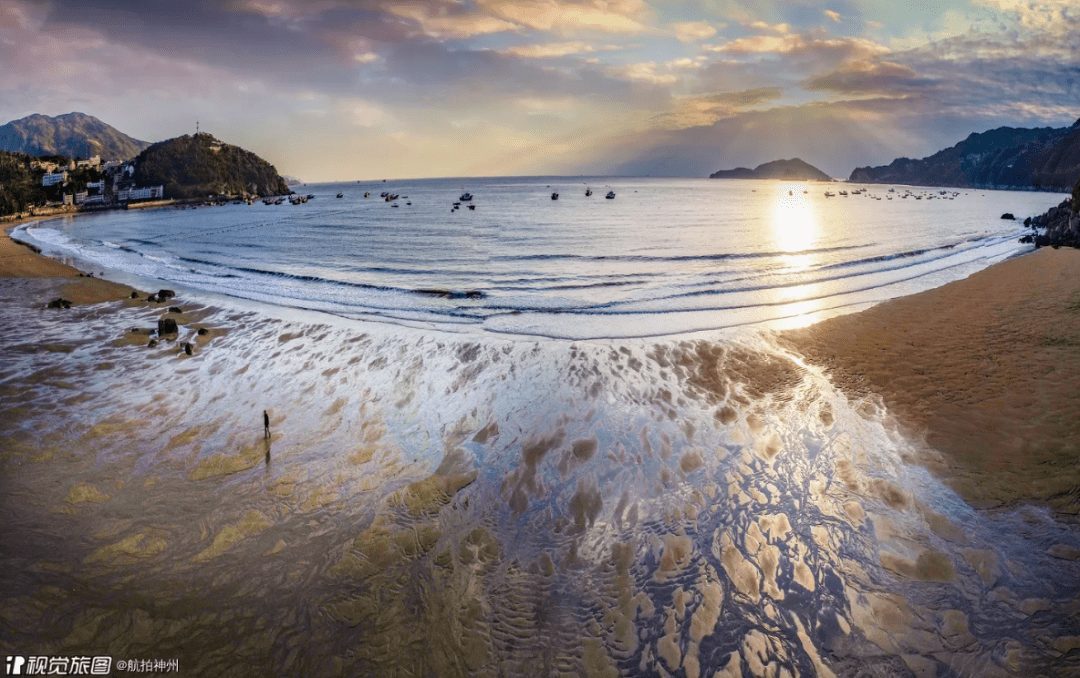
(20, 186)
(200, 165)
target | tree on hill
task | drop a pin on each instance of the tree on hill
(200, 165)
(20, 186)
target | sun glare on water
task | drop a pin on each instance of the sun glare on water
(795, 223)
(795, 229)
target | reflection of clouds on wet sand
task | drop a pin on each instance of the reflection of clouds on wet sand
(447, 505)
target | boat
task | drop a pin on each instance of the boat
(588, 192)
(610, 195)
(843, 193)
(341, 195)
(367, 194)
(829, 195)
(472, 207)
(465, 197)
(554, 196)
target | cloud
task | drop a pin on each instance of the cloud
(366, 57)
(871, 77)
(779, 29)
(702, 110)
(833, 49)
(692, 31)
(832, 15)
(645, 71)
(446, 19)
(571, 16)
(554, 49)
(1050, 16)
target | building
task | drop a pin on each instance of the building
(53, 178)
(67, 199)
(112, 165)
(151, 193)
(99, 186)
(95, 161)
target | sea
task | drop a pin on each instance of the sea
(511, 435)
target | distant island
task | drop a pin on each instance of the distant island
(787, 170)
(1017, 158)
(201, 165)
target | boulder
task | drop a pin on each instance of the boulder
(152, 299)
(1008, 215)
(166, 326)
(166, 294)
(152, 344)
(59, 303)
(175, 309)
(203, 331)
(134, 294)
(187, 347)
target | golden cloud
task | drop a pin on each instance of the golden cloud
(836, 48)
(554, 49)
(571, 16)
(692, 31)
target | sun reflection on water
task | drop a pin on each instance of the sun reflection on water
(796, 230)
(795, 223)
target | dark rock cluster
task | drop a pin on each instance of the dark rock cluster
(1060, 226)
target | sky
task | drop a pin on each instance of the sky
(366, 89)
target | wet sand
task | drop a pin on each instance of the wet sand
(986, 370)
(20, 261)
(454, 505)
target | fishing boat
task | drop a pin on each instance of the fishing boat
(554, 196)
(610, 195)
(829, 195)
(465, 197)
(588, 192)
(341, 195)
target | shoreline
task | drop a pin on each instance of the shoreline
(21, 260)
(981, 370)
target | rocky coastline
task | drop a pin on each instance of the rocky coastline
(1060, 225)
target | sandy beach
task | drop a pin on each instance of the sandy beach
(19, 261)
(985, 369)
(672, 505)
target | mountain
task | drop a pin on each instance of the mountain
(1007, 157)
(200, 165)
(788, 170)
(75, 135)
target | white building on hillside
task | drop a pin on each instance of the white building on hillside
(52, 178)
(151, 193)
